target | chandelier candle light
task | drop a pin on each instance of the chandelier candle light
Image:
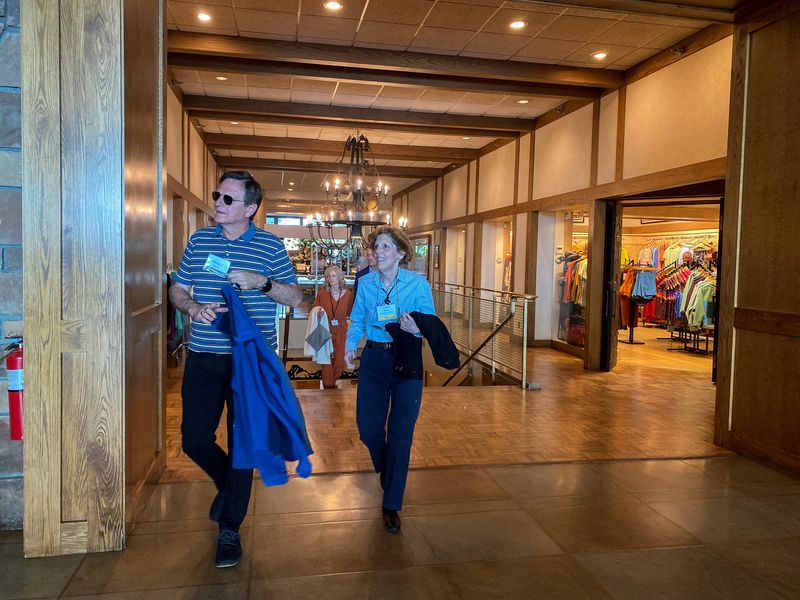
(358, 199)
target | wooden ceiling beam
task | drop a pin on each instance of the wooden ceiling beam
(695, 10)
(222, 141)
(366, 116)
(373, 59)
(223, 64)
(232, 162)
(356, 125)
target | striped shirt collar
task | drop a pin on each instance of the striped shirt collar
(245, 237)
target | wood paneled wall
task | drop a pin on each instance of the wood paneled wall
(89, 264)
(758, 397)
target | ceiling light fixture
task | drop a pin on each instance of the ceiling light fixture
(221, 78)
(333, 5)
(234, 122)
(599, 55)
(205, 17)
(466, 138)
(519, 24)
(522, 101)
(291, 183)
(357, 199)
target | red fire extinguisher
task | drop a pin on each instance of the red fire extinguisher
(13, 355)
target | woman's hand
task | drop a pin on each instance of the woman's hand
(350, 359)
(407, 323)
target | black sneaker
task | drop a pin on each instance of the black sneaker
(215, 513)
(229, 549)
(391, 520)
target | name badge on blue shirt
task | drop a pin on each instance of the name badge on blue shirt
(216, 265)
(387, 312)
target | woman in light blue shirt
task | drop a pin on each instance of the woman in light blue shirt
(387, 406)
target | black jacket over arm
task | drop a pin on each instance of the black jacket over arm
(408, 347)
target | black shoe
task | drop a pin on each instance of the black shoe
(391, 520)
(229, 549)
(215, 513)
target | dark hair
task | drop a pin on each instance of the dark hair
(400, 240)
(252, 189)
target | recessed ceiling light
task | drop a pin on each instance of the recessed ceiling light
(291, 189)
(221, 78)
(291, 183)
(205, 17)
(518, 24)
(522, 101)
(234, 122)
(599, 55)
(466, 138)
(333, 5)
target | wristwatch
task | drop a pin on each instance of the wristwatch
(267, 286)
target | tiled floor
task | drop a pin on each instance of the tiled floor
(533, 495)
(707, 528)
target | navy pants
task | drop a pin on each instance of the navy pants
(387, 408)
(206, 390)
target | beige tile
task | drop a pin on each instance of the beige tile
(313, 85)
(495, 44)
(426, 510)
(439, 39)
(260, 93)
(185, 13)
(386, 33)
(549, 49)
(475, 536)
(395, 584)
(614, 52)
(297, 550)
(739, 471)
(655, 475)
(578, 29)
(289, 6)
(552, 577)
(260, 21)
(536, 21)
(33, 578)
(672, 37)
(528, 482)
(776, 561)
(697, 573)
(331, 28)
(719, 520)
(452, 15)
(610, 527)
(635, 57)
(451, 485)
(152, 562)
(408, 12)
(320, 493)
(234, 591)
(352, 9)
(625, 33)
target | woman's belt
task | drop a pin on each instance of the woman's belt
(382, 345)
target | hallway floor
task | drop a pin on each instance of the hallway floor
(674, 529)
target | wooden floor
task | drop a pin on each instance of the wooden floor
(646, 408)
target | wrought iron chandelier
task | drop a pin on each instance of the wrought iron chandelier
(358, 200)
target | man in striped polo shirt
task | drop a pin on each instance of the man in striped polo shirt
(234, 251)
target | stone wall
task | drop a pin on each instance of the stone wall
(10, 247)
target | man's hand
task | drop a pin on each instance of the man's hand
(206, 313)
(350, 359)
(247, 280)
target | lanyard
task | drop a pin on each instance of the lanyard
(391, 289)
(336, 307)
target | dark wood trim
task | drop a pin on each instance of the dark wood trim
(531, 166)
(756, 15)
(330, 55)
(762, 450)
(176, 188)
(335, 148)
(686, 10)
(595, 143)
(346, 124)
(477, 186)
(172, 83)
(233, 162)
(495, 145)
(551, 116)
(567, 348)
(531, 256)
(619, 163)
(222, 64)
(767, 321)
(469, 177)
(516, 174)
(700, 40)
(367, 116)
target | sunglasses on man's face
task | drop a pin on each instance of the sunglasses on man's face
(226, 198)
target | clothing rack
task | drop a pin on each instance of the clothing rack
(634, 308)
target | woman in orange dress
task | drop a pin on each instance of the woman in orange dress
(336, 300)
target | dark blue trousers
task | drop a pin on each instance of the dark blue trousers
(206, 390)
(387, 408)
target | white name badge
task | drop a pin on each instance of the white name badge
(216, 265)
(387, 312)
(335, 322)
